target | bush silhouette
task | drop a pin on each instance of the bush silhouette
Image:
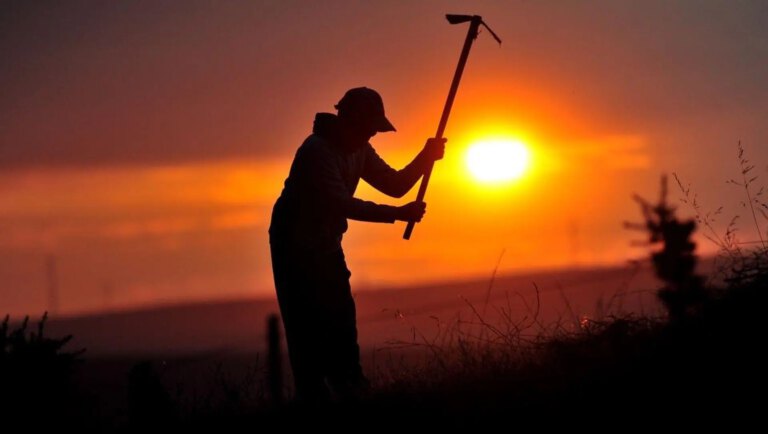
(675, 262)
(35, 373)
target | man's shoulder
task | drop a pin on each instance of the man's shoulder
(315, 145)
(315, 148)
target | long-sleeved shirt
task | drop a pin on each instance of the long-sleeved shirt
(318, 197)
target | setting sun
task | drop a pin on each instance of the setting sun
(497, 160)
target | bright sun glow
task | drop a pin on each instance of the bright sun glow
(497, 160)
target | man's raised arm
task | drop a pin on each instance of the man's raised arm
(396, 183)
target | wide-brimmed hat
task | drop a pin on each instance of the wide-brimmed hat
(366, 104)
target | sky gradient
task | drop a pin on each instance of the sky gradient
(143, 143)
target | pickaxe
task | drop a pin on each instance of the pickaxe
(475, 22)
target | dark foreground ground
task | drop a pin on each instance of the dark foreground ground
(709, 368)
(512, 371)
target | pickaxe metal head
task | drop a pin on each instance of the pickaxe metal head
(458, 19)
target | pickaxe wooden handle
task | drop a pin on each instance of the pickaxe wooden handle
(475, 22)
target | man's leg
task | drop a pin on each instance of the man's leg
(295, 294)
(345, 375)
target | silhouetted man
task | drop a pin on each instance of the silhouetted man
(308, 221)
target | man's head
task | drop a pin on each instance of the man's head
(362, 111)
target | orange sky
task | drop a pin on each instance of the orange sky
(143, 144)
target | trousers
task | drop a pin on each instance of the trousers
(318, 314)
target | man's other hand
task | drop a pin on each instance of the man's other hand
(412, 212)
(434, 149)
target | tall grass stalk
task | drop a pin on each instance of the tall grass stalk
(728, 242)
(745, 183)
